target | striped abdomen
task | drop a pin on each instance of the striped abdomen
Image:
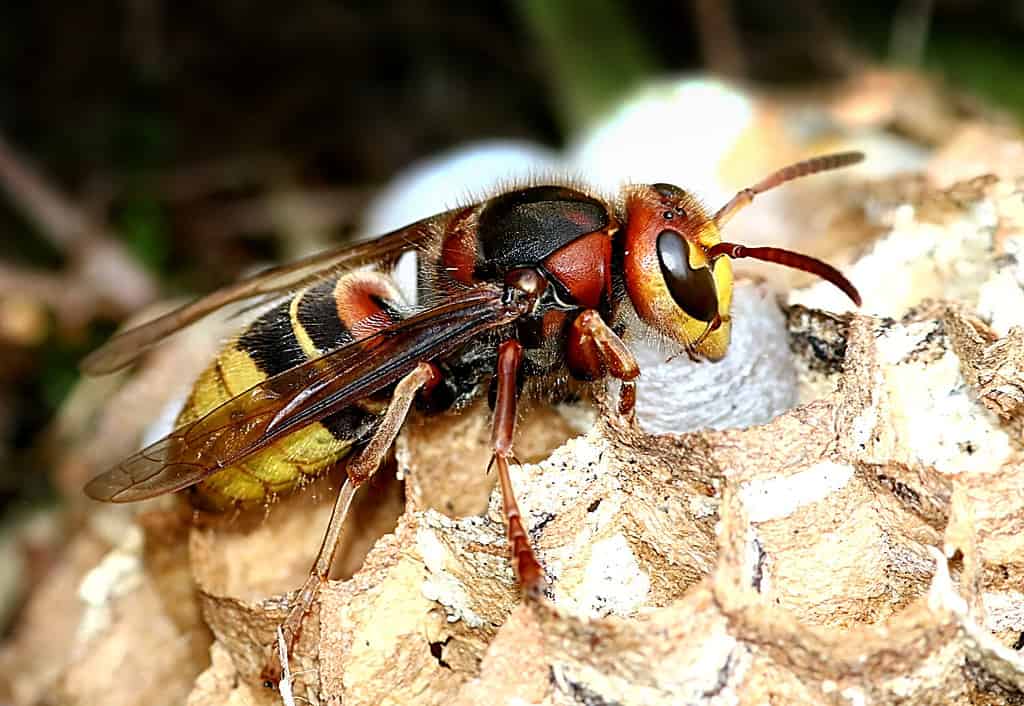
(315, 320)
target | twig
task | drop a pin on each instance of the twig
(96, 258)
(195, 181)
(832, 48)
(300, 215)
(61, 223)
(144, 39)
(719, 39)
(72, 302)
(910, 32)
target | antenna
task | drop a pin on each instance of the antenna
(793, 171)
(787, 258)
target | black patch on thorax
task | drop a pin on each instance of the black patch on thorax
(522, 228)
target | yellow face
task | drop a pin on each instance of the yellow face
(671, 282)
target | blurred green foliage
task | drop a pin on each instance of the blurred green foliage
(987, 66)
(596, 52)
(142, 223)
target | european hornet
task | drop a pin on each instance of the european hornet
(528, 292)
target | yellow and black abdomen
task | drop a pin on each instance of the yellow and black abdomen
(315, 320)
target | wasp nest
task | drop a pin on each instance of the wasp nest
(864, 547)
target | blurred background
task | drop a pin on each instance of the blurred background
(151, 150)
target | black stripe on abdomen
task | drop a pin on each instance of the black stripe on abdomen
(270, 341)
(317, 312)
(271, 344)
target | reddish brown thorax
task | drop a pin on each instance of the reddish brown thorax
(563, 232)
(584, 268)
(459, 247)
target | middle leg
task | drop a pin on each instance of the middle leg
(528, 570)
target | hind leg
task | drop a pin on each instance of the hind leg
(359, 469)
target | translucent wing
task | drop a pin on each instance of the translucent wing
(127, 346)
(301, 395)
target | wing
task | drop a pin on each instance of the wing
(127, 346)
(301, 395)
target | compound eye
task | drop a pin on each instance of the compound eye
(692, 289)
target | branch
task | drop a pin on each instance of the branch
(98, 259)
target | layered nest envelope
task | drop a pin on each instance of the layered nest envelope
(865, 546)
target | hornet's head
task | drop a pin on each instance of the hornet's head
(676, 266)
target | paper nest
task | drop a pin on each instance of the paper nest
(864, 547)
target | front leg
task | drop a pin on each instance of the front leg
(528, 569)
(595, 351)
